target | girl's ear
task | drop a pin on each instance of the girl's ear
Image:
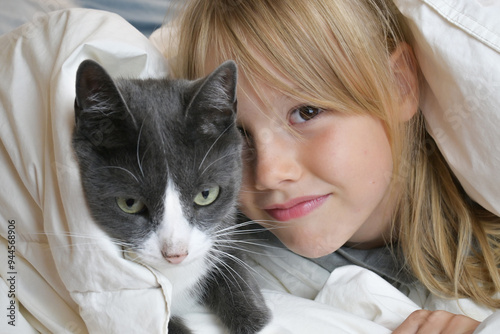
(405, 69)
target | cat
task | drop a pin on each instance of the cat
(160, 163)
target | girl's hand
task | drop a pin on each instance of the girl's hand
(434, 322)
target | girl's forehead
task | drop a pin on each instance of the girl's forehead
(267, 76)
(262, 95)
(260, 92)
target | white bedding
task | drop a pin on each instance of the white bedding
(457, 44)
(68, 276)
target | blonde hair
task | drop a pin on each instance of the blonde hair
(337, 56)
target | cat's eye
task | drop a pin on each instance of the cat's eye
(304, 113)
(130, 205)
(207, 196)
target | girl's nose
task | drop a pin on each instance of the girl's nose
(276, 162)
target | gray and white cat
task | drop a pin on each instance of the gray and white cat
(160, 166)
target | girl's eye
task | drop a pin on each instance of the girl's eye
(247, 138)
(207, 196)
(244, 134)
(130, 205)
(242, 131)
(304, 113)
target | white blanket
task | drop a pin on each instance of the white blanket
(65, 274)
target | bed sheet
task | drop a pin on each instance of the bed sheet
(69, 277)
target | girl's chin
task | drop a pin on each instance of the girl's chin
(313, 253)
(310, 250)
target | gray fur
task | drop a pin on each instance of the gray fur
(133, 137)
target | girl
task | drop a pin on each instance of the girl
(336, 148)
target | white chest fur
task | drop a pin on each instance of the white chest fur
(176, 238)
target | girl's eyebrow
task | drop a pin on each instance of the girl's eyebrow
(288, 100)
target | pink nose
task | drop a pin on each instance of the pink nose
(175, 258)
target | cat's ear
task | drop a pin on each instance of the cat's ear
(101, 115)
(213, 105)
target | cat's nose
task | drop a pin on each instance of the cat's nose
(175, 258)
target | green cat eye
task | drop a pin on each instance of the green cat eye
(207, 196)
(130, 205)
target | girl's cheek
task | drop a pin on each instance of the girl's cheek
(245, 192)
(246, 179)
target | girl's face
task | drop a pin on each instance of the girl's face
(320, 186)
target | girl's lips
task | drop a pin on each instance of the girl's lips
(295, 208)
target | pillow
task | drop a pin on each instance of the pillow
(457, 44)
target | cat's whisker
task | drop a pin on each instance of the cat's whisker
(213, 144)
(79, 235)
(121, 168)
(241, 249)
(229, 229)
(231, 270)
(88, 240)
(250, 269)
(257, 249)
(238, 229)
(144, 154)
(214, 262)
(139, 161)
(217, 263)
(251, 221)
(238, 234)
(234, 258)
(276, 224)
(235, 233)
(253, 242)
(221, 158)
(239, 226)
(92, 245)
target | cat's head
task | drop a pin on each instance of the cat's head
(160, 159)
